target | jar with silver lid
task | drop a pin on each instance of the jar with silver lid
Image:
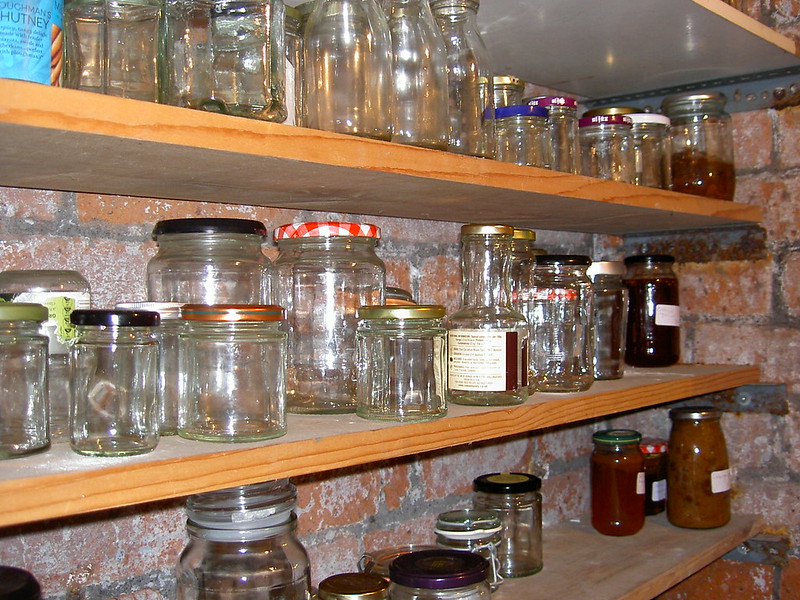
(472, 530)
(606, 143)
(521, 135)
(610, 318)
(353, 586)
(440, 574)
(507, 90)
(562, 127)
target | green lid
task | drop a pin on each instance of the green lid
(22, 311)
(617, 436)
(392, 311)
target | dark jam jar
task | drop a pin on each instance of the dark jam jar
(655, 475)
(618, 482)
(653, 336)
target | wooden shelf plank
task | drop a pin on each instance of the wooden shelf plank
(58, 482)
(70, 140)
(580, 563)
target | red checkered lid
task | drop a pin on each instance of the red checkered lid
(308, 229)
(653, 446)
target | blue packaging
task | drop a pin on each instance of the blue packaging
(31, 40)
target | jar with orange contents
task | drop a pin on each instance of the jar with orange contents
(617, 481)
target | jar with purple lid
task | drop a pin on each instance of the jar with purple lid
(439, 574)
(562, 128)
(606, 143)
(521, 135)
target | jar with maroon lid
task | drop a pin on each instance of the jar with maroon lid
(606, 145)
(562, 128)
(698, 471)
(653, 336)
(655, 475)
(617, 482)
(440, 574)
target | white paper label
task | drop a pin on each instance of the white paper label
(640, 484)
(659, 491)
(720, 481)
(478, 360)
(668, 315)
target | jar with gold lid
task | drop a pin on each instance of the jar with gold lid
(353, 586)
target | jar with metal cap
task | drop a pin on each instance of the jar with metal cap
(610, 314)
(242, 544)
(233, 363)
(209, 261)
(507, 90)
(655, 475)
(523, 258)
(114, 382)
(353, 586)
(472, 530)
(18, 584)
(517, 500)
(400, 358)
(440, 574)
(487, 339)
(617, 482)
(698, 470)
(606, 143)
(702, 144)
(326, 270)
(23, 379)
(396, 296)
(562, 126)
(521, 135)
(653, 329)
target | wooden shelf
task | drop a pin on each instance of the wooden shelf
(59, 483)
(63, 139)
(580, 563)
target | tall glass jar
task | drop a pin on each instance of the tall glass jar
(521, 135)
(507, 90)
(618, 482)
(233, 362)
(225, 56)
(242, 545)
(209, 261)
(702, 144)
(23, 379)
(440, 574)
(293, 39)
(653, 336)
(419, 75)
(469, 78)
(562, 125)
(609, 325)
(353, 586)
(559, 310)
(472, 530)
(606, 143)
(325, 272)
(698, 470)
(348, 69)
(487, 339)
(523, 257)
(651, 150)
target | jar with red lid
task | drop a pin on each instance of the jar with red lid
(618, 482)
(655, 475)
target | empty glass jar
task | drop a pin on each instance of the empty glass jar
(609, 325)
(521, 135)
(440, 574)
(562, 125)
(606, 143)
(507, 90)
(651, 150)
(472, 530)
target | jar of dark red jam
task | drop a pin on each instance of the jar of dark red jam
(618, 483)
(655, 475)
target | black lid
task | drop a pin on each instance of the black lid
(438, 569)
(203, 225)
(563, 259)
(18, 584)
(649, 258)
(115, 318)
(507, 483)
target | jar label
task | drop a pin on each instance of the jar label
(554, 294)
(484, 361)
(720, 481)
(659, 490)
(668, 315)
(641, 488)
(59, 308)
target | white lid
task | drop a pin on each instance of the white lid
(649, 118)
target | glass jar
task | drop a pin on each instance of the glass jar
(226, 56)
(419, 75)
(18, 584)
(560, 312)
(353, 586)
(325, 272)
(23, 379)
(378, 561)
(698, 471)
(653, 337)
(702, 144)
(655, 475)
(606, 143)
(617, 482)
(651, 150)
(469, 78)
(507, 90)
(487, 340)
(516, 499)
(293, 66)
(61, 292)
(521, 135)
(472, 530)
(348, 69)
(562, 126)
(400, 355)
(242, 545)
(610, 318)
(233, 362)
(114, 382)
(209, 261)
(523, 257)
(439, 574)
(396, 296)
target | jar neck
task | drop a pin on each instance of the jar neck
(208, 243)
(242, 534)
(651, 269)
(330, 244)
(456, 10)
(485, 265)
(20, 328)
(104, 334)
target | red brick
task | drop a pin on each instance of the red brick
(141, 595)
(775, 501)
(776, 194)
(440, 282)
(416, 530)
(565, 496)
(725, 580)
(788, 140)
(751, 440)
(340, 555)
(562, 443)
(752, 139)
(19, 203)
(790, 285)
(790, 580)
(399, 273)
(730, 288)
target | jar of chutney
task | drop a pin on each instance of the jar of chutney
(618, 482)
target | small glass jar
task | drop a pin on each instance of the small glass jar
(400, 358)
(521, 135)
(440, 574)
(653, 338)
(209, 261)
(702, 144)
(562, 126)
(242, 544)
(606, 143)
(617, 482)
(698, 470)
(610, 318)
(396, 296)
(655, 475)
(233, 363)
(378, 561)
(23, 379)
(354, 586)
(114, 382)
(18, 584)
(651, 150)
(326, 270)
(293, 67)
(517, 500)
(507, 90)
(472, 530)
